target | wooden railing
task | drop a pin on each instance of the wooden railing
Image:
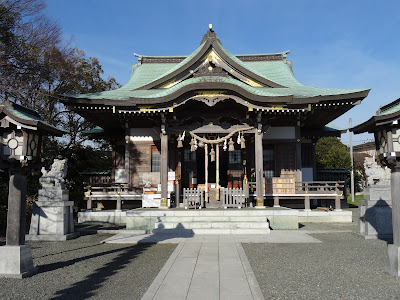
(319, 187)
(313, 190)
(193, 198)
(233, 197)
(114, 193)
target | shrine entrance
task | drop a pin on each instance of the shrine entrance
(213, 166)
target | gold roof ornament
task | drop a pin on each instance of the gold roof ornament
(210, 26)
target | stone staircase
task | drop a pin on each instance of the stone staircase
(212, 222)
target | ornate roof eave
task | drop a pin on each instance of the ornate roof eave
(210, 42)
(290, 99)
(40, 124)
(375, 121)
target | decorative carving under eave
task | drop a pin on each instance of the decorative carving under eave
(211, 101)
(208, 70)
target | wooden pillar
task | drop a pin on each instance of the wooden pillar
(259, 169)
(206, 172)
(89, 203)
(276, 201)
(119, 203)
(127, 156)
(337, 199)
(164, 171)
(298, 172)
(178, 174)
(217, 171)
(307, 203)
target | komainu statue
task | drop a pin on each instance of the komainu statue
(54, 178)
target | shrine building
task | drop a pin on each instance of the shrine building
(207, 129)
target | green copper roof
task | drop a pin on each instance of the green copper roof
(301, 91)
(390, 108)
(275, 71)
(28, 116)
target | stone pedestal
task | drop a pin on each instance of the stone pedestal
(393, 266)
(16, 258)
(376, 213)
(52, 217)
(393, 262)
(16, 261)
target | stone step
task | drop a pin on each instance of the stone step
(190, 232)
(212, 219)
(222, 225)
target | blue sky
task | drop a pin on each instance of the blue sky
(335, 44)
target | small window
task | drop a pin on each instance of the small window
(189, 156)
(269, 162)
(119, 156)
(235, 157)
(155, 159)
(307, 155)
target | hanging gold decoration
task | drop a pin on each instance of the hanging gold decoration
(242, 142)
(192, 143)
(179, 139)
(212, 154)
(231, 143)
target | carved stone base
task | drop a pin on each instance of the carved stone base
(52, 220)
(376, 213)
(16, 261)
(393, 264)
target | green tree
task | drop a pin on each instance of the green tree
(36, 67)
(332, 154)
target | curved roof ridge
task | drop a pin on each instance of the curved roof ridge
(283, 53)
(242, 64)
(161, 56)
(182, 63)
(388, 108)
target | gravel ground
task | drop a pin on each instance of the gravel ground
(85, 269)
(343, 266)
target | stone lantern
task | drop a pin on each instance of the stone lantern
(21, 131)
(385, 126)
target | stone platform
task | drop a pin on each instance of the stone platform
(225, 220)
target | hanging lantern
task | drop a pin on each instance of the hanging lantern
(238, 139)
(242, 142)
(231, 145)
(192, 145)
(212, 154)
(225, 146)
(179, 139)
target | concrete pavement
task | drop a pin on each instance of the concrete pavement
(207, 269)
(208, 266)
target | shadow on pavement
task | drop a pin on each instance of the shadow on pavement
(87, 288)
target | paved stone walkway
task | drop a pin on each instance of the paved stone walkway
(208, 266)
(209, 269)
